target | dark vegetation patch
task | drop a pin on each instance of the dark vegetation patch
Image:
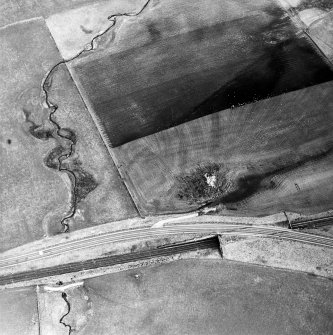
(38, 131)
(231, 188)
(66, 137)
(68, 134)
(52, 159)
(321, 4)
(194, 187)
(85, 30)
(85, 183)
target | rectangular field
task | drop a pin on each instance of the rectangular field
(250, 52)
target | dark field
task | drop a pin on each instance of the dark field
(173, 79)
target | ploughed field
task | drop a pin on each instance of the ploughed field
(272, 155)
(183, 68)
(230, 107)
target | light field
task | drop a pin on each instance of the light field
(284, 142)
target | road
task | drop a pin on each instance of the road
(111, 260)
(155, 232)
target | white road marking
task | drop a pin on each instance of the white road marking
(161, 223)
(62, 287)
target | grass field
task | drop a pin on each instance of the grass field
(74, 28)
(277, 154)
(12, 11)
(18, 312)
(30, 193)
(34, 195)
(209, 297)
(246, 54)
(316, 17)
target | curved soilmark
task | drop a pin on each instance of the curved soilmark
(85, 30)
(252, 183)
(36, 130)
(52, 159)
(55, 161)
